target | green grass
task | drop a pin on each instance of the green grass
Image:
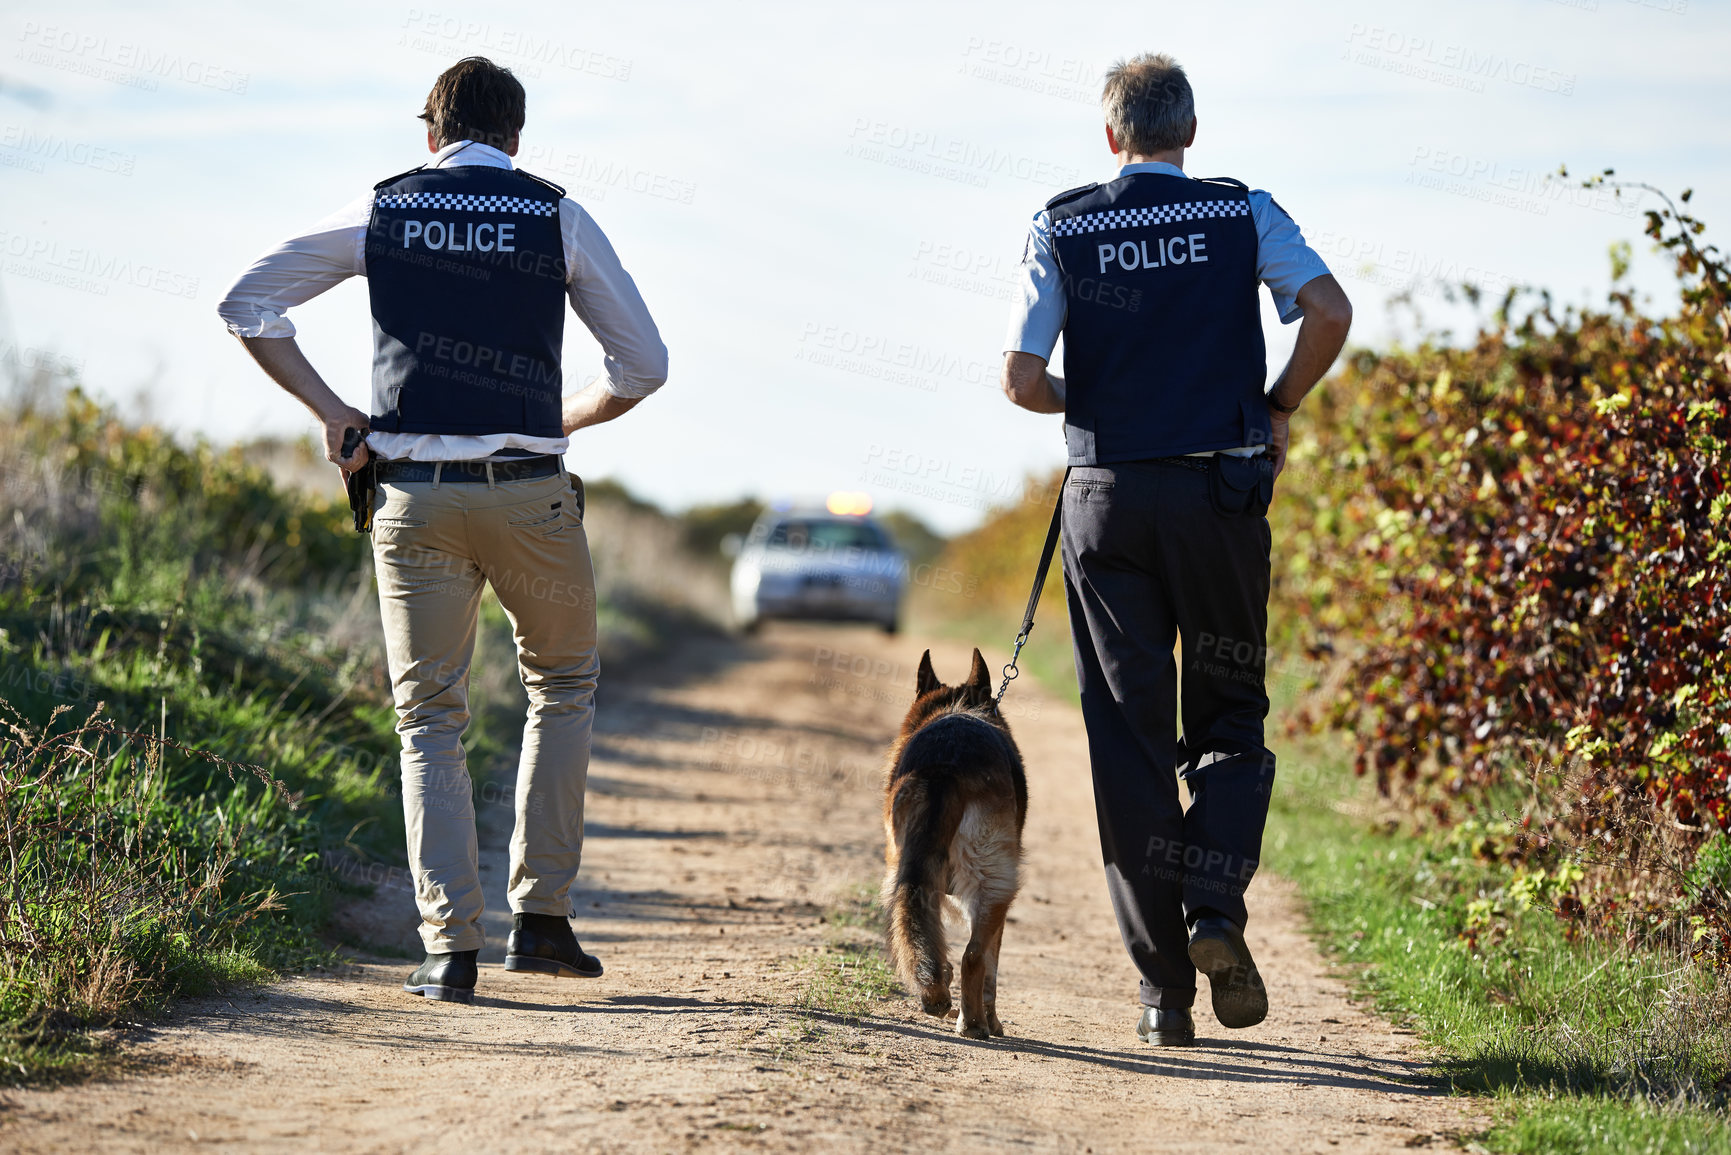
(1571, 1125)
(848, 977)
(1585, 1045)
(48, 1047)
(121, 892)
(847, 982)
(852, 975)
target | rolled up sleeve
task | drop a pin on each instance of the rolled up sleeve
(1039, 309)
(1283, 261)
(606, 300)
(296, 271)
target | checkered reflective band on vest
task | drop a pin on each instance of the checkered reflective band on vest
(466, 270)
(1163, 350)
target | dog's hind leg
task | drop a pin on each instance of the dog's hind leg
(991, 982)
(988, 928)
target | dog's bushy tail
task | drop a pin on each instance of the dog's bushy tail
(928, 812)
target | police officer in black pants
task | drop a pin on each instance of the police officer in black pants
(1174, 445)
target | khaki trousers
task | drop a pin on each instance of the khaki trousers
(434, 545)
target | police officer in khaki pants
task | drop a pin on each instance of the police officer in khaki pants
(469, 265)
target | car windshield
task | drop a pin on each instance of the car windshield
(826, 536)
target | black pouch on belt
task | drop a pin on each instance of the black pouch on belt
(1240, 485)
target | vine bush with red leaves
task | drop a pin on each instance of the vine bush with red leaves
(1523, 548)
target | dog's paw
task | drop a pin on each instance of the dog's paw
(971, 1030)
(994, 1026)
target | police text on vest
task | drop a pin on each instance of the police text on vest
(1131, 255)
(485, 237)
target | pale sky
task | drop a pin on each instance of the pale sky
(821, 204)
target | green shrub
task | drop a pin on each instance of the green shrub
(1521, 545)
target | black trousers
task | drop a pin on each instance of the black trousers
(1151, 556)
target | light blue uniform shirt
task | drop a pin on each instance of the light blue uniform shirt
(1283, 262)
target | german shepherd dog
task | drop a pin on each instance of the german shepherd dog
(955, 798)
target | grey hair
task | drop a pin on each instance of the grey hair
(1148, 104)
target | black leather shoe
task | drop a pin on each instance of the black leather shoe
(449, 978)
(543, 944)
(1218, 950)
(1167, 1028)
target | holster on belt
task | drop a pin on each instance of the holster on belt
(361, 484)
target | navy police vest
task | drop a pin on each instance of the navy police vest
(466, 271)
(1163, 350)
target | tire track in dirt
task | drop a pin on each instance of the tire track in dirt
(734, 805)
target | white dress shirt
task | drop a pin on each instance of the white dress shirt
(602, 293)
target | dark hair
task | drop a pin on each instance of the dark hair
(1149, 105)
(475, 99)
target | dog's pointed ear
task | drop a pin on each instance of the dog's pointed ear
(927, 679)
(979, 684)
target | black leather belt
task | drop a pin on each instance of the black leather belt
(516, 469)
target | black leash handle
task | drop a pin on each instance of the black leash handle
(1011, 673)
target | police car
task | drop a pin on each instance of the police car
(828, 563)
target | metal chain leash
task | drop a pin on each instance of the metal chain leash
(1011, 673)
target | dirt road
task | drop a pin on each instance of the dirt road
(733, 830)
